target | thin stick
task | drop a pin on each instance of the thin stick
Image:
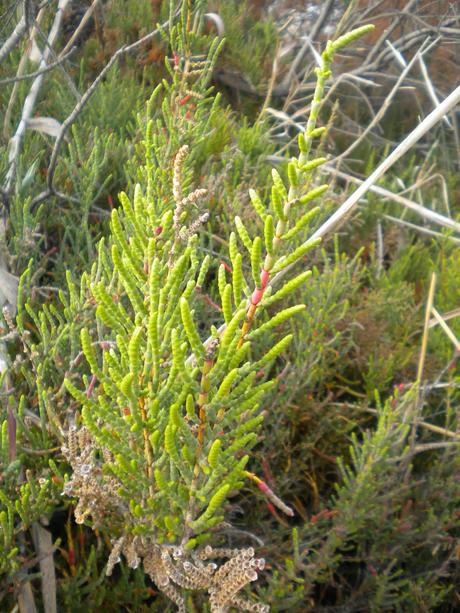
(432, 216)
(432, 446)
(416, 406)
(21, 28)
(270, 86)
(423, 424)
(20, 71)
(13, 39)
(38, 73)
(84, 20)
(80, 106)
(446, 328)
(380, 248)
(29, 104)
(421, 229)
(428, 310)
(445, 317)
(429, 87)
(54, 57)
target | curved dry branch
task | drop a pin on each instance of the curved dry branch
(80, 106)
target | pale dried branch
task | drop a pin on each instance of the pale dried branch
(420, 423)
(84, 20)
(14, 39)
(29, 49)
(22, 27)
(446, 317)
(423, 211)
(80, 106)
(29, 104)
(429, 86)
(38, 73)
(451, 336)
(422, 229)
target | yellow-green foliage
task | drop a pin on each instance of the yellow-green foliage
(156, 365)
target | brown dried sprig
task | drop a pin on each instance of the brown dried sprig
(172, 568)
(182, 203)
(96, 492)
(186, 233)
(178, 172)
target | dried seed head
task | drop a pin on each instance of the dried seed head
(177, 173)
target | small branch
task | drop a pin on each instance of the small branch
(84, 20)
(29, 104)
(20, 71)
(21, 28)
(424, 212)
(428, 310)
(446, 328)
(414, 408)
(429, 86)
(54, 56)
(422, 229)
(422, 424)
(446, 317)
(432, 446)
(38, 73)
(14, 39)
(80, 106)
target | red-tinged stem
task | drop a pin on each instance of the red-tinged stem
(92, 383)
(256, 298)
(270, 494)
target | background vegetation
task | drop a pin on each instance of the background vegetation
(369, 461)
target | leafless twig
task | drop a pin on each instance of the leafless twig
(421, 229)
(14, 39)
(29, 104)
(424, 212)
(17, 34)
(37, 73)
(84, 20)
(29, 48)
(80, 106)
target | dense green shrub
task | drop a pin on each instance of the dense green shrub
(127, 435)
